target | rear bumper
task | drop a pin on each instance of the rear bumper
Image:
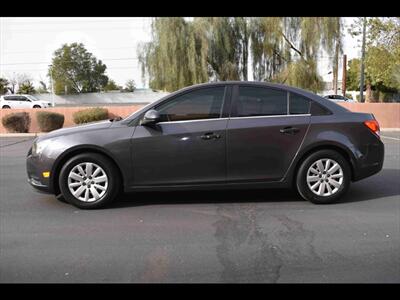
(371, 162)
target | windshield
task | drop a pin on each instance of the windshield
(33, 98)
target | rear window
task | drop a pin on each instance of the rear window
(298, 104)
(318, 110)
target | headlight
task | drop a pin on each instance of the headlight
(38, 147)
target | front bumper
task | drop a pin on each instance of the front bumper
(35, 169)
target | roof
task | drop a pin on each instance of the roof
(334, 107)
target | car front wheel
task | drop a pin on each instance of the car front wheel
(323, 177)
(89, 180)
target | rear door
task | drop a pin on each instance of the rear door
(264, 132)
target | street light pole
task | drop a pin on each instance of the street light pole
(51, 83)
(362, 60)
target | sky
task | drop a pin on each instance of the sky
(27, 45)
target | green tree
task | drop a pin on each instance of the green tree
(3, 85)
(42, 89)
(382, 58)
(26, 88)
(111, 86)
(228, 47)
(130, 85)
(184, 52)
(77, 70)
(176, 55)
(285, 49)
(353, 75)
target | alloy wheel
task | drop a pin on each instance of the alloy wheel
(87, 182)
(325, 177)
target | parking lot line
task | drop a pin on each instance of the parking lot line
(391, 138)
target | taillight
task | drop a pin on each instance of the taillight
(373, 125)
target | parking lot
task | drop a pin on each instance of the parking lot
(242, 236)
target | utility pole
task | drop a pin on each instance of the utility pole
(336, 69)
(344, 74)
(362, 61)
(51, 83)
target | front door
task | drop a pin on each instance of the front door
(265, 131)
(187, 146)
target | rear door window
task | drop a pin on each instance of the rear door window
(260, 101)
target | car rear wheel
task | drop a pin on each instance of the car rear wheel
(323, 177)
(36, 106)
(6, 106)
(89, 180)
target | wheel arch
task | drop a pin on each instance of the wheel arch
(341, 149)
(62, 159)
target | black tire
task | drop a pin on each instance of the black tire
(109, 168)
(301, 177)
(36, 106)
(6, 107)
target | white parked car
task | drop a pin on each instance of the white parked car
(22, 101)
(339, 98)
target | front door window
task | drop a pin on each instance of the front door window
(200, 104)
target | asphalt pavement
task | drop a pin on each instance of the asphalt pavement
(269, 236)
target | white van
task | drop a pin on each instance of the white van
(22, 101)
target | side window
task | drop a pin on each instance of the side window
(298, 104)
(318, 110)
(259, 101)
(23, 98)
(8, 98)
(200, 104)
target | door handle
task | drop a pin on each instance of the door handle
(289, 130)
(210, 136)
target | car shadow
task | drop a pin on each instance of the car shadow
(383, 184)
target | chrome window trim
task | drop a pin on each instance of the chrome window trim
(194, 120)
(287, 103)
(233, 118)
(272, 116)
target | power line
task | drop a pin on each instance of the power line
(69, 23)
(32, 70)
(40, 51)
(45, 62)
(70, 29)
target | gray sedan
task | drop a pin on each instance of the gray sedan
(221, 135)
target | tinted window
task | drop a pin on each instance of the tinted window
(8, 98)
(318, 110)
(200, 104)
(22, 98)
(255, 101)
(298, 104)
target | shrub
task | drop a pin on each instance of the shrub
(90, 115)
(350, 96)
(17, 122)
(49, 121)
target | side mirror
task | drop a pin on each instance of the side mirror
(151, 117)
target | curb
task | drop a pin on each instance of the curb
(390, 129)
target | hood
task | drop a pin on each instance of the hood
(76, 129)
